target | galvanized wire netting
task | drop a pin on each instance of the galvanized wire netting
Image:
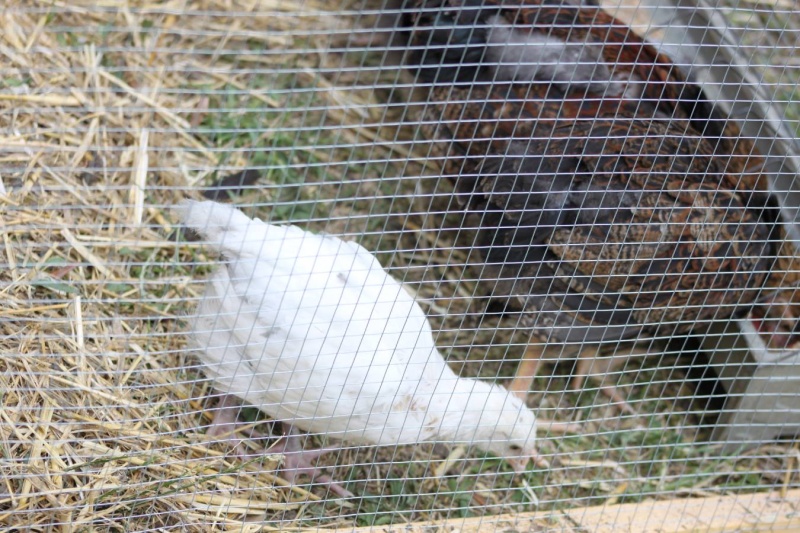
(113, 112)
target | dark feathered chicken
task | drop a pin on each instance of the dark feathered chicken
(588, 65)
(613, 200)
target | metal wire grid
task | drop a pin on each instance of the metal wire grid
(113, 113)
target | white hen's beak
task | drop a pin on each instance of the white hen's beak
(520, 464)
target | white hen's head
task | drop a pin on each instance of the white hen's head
(494, 420)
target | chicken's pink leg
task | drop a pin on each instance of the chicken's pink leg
(298, 461)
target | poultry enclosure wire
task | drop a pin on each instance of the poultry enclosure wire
(305, 112)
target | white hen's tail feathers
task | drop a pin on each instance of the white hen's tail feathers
(212, 220)
(233, 233)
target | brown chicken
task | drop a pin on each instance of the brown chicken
(613, 200)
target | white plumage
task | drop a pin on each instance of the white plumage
(311, 330)
(515, 54)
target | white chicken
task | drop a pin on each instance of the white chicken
(311, 330)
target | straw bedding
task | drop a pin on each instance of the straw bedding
(112, 111)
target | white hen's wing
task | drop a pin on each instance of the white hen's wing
(311, 329)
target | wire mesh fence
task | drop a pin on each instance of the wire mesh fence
(581, 214)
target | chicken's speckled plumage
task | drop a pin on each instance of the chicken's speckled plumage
(612, 199)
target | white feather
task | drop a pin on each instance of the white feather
(313, 331)
(517, 55)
